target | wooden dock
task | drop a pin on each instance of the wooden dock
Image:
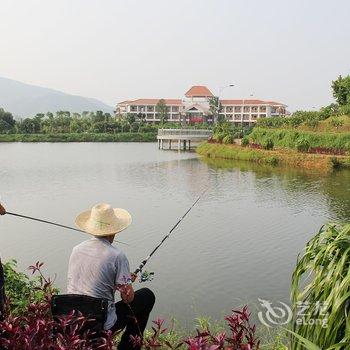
(181, 138)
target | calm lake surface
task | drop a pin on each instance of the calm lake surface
(238, 244)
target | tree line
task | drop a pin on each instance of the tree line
(67, 122)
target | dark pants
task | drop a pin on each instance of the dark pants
(133, 317)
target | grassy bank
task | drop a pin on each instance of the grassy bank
(290, 138)
(81, 137)
(273, 157)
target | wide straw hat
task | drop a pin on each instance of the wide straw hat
(103, 220)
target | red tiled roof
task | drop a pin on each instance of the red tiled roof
(153, 101)
(198, 91)
(275, 103)
(250, 102)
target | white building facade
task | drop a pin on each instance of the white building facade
(195, 108)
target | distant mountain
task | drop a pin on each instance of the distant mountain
(24, 100)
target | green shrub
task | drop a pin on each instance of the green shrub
(332, 109)
(296, 121)
(347, 147)
(336, 122)
(312, 123)
(245, 141)
(219, 136)
(272, 160)
(228, 139)
(344, 110)
(267, 144)
(19, 288)
(321, 281)
(303, 145)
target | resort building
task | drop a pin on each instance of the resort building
(195, 108)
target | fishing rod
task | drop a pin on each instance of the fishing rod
(49, 222)
(146, 276)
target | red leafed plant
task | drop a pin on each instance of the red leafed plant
(241, 336)
(33, 328)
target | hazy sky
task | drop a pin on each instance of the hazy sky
(283, 50)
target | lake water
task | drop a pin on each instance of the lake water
(238, 244)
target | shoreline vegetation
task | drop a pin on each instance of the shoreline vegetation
(81, 137)
(284, 157)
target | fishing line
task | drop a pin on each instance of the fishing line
(50, 223)
(146, 276)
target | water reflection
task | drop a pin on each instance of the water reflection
(331, 189)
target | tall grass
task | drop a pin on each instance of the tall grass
(273, 157)
(322, 277)
(288, 138)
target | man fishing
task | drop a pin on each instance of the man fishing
(98, 269)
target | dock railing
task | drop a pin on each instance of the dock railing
(183, 137)
(185, 132)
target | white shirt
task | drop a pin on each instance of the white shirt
(95, 268)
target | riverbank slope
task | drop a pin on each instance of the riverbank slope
(286, 157)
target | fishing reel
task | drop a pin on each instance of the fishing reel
(146, 276)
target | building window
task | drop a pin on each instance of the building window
(229, 116)
(245, 116)
(238, 109)
(175, 109)
(262, 109)
(254, 109)
(254, 116)
(238, 117)
(246, 109)
(141, 108)
(229, 109)
(262, 115)
(150, 116)
(150, 108)
(168, 109)
(133, 108)
(175, 116)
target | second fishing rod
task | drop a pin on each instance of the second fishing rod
(148, 275)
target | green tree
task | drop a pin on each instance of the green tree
(162, 111)
(341, 90)
(130, 118)
(98, 117)
(141, 117)
(215, 107)
(7, 122)
(29, 126)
